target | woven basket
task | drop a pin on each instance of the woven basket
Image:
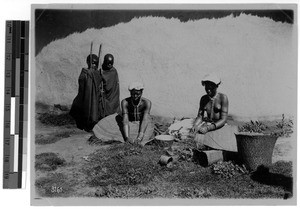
(255, 149)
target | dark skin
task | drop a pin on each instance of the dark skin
(94, 64)
(145, 105)
(215, 105)
(107, 64)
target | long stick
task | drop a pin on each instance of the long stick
(99, 55)
(101, 85)
(91, 52)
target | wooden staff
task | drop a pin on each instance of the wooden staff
(91, 52)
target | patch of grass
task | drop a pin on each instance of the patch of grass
(56, 119)
(228, 169)
(132, 171)
(282, 167)
(48, 161)
(285, 127)
(279, 176)
(50, 139)
(282, 128)
(193, 192)
(123, 164)
(54, 185)
(127, 171)
(126, 191)
(253, 127)
(179, 183)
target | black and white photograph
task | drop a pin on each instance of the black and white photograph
(163, 104)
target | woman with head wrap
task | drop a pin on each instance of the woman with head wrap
(210, 124)
(134, 125)
(135, 109)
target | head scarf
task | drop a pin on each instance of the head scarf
(212, 78)
(136, 85)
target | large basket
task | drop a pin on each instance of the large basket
(255, 149)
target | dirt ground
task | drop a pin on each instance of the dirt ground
(74, 149)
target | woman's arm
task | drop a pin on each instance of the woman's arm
(199, 119)
(145, 120)
(124, 106)
(224, 112)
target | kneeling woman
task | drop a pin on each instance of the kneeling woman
(134, 125)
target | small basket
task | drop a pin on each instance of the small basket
(256, 149)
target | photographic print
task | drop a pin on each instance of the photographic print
(163, 104)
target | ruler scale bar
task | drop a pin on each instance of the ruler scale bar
(23, 183)
(17, 78)
(13, 53)
(17, 115)
(24, 85)
(12, 115)
(18, 38)
(8, 75)
(21, 167)
(20, 161)
(11, 153)
(16, 104)
(16, 152)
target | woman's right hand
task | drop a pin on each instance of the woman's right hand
(195, 129)
(129, 140)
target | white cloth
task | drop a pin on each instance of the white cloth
(183, 126)
(212, 78)
(136, 85)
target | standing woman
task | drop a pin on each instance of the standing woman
(110, 98)
(210, 124)
(85, 107)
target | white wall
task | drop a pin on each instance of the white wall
(256, 59)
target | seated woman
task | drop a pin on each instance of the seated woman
(134, 125)
(210, 125)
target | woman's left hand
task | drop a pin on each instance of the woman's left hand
(203, 129)
(140, 137)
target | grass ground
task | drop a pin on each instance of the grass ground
(131, 171)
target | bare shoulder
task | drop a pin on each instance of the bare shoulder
(223, 97)
(146, 101)
(204, 97)
(124, 102)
